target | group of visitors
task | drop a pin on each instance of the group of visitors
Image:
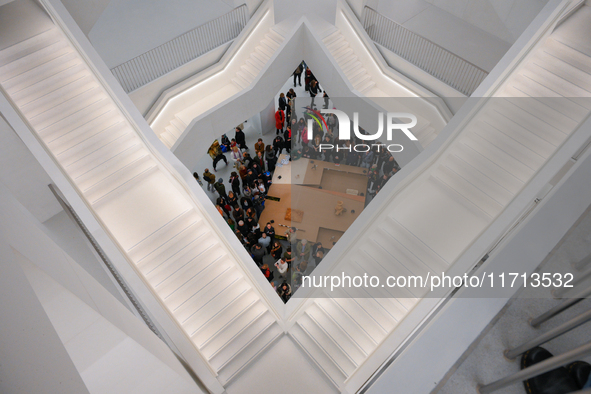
(242, 202)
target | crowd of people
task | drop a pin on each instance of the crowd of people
(242, 201)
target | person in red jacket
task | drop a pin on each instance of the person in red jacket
(279, 120)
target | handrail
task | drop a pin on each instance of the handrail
(120, 281)
(423, 53)
(158, 61)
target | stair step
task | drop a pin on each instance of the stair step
(167, 138)
(334, 36)
(395, 303)
(184, 251)
(241, 341)
(173, 131)
(550, 124)
(255, 63)
(513, 139)
(198, 317)
(344, 55)
(105, 126)
(350, 64)
(356, 72)
(225, 336)
(358, 315)
(35, 61)
(536, 88)
(197, 302)
(249, 70)
(153, 244)
(400, 260)
(365, 86)
(269, 44)
(30, 45)
(225, 318)
(85, 162)
(492, 168)
(395, 266)
(360, 79)
(563, 69)
(327, 345)
(98, 115)
(339, 44)
(249, 353)
(561, 86)
(337, 335)
(60, 113)
(245, 76)
(265, 50)
(470, 192)
(318, 356)
(524, 128)
(59, 96)
(40, 73)
(169, 283)
(479, 179)
(497, 155)
(275, 37)
(260, 57)
(131, 173)
(48, 85)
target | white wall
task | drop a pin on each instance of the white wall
(285, 9)
(24, 177)
(268, 118)
(86, 12)
(504, 19)
(33, 357)
(128, 28)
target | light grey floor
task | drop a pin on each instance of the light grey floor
(485, 362)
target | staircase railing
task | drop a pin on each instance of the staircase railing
(156, 62)
(423, 53)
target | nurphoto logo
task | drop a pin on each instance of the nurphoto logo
(392, 123)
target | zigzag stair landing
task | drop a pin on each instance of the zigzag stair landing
(480, 173)
(249, 71)
(168, 240)
(361, 80)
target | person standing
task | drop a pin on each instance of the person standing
(259, 146)
(282, 267)
(279, 120)
(314, 90)
(240, 138)
(270, 158)
(303, 250)
(235, 182)
(209, 178)
(220, 188)
(282, 102)
(297, 74)
(278, 145)
(287, 139)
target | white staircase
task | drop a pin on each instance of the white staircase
(356, 72)
(484, 168)
(164, 235)
(236, 82)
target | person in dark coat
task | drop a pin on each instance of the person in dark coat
(240, 138)
(278, 145)
(282, 102)
(220, 188)
(235, 182)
